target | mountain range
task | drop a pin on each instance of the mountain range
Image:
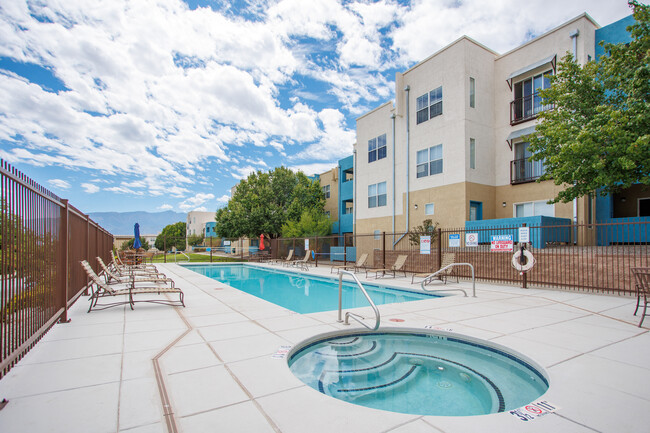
(151, 223)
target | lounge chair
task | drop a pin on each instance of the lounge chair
(121, 276)
(447, 259)
(361, 263)
(303, 263)
(288, 260)
(117, 263)
(126, 291)
(397, 267)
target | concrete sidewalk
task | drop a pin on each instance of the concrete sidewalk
(216, 373)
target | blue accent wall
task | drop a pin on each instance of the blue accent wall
(614, 33)
(509, 226)
(346, 194)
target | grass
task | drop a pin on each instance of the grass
(194, 258)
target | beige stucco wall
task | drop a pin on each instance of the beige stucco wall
(331, 178)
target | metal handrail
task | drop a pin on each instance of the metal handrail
(181, 252)
(430, 277)
(356, 317)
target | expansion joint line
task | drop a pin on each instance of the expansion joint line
(168, 411)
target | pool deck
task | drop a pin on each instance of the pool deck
(96, 373)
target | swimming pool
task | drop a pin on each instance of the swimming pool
(410, 371)
(302, 293)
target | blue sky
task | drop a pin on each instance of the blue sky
(165, 105)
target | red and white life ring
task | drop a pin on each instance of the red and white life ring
(530, 261)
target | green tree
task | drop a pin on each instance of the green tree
(427, 228)
(597, 138)
(310, 224)
(172, 235)
(265, 201)
(194, 240)
(128, 245)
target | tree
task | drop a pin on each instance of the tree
(172, 235)
(597, 138)
(428, 228)
(310, 224)
(194, 240)
(265, 201)
(128, 245)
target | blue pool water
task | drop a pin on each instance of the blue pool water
(418, 373)
(302, 293)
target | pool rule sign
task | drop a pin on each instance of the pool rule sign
(501, 243)
(534, 410)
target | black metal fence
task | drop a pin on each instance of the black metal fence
(43, 240)
(594, 257)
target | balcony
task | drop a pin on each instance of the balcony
(524, 171)
(527, 108)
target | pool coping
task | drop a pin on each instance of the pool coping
(97, 370)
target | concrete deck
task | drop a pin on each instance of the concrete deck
(96, 374)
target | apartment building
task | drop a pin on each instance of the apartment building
(338, 187)
(196, 222)
(451, 147)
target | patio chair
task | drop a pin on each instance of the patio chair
(642, 286)
(303, 263)
(118, 263)
(288, 260)
(101, 289)
(447, 259)
(361, 263)
(124, 276)
(397, 267)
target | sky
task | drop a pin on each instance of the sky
(154, 105)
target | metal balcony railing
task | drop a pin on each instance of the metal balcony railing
(523, 170)
(527, 108)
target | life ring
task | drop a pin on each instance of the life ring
(530, 261)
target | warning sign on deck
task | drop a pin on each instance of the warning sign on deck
(534, 410)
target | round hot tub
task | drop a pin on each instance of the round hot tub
(415, 372)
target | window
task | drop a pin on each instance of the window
(523, 170)
(429, 161)
(429, 105)
(528, 103)
(326, 191)
(534, 208)
(377, 148)
(472, 153)
(472, 92)
(377, 234)
(429, 209)
(377, 195)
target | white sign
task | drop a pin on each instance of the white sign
(454, 241)
(425, 244)
(306, 244)
(226, 243)
(471, 239)
(524, 234)
(281, 353)
(534, 410)
(501, 243)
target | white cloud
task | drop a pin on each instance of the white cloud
(165, 206)
(223, 199)
(90, 188)
(59, 183)
(242, 172)
(500, 25)
(314, 168)
(194, 203)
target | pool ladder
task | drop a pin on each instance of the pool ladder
(356, 317)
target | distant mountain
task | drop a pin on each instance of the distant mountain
(121, 223)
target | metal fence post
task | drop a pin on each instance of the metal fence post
(64, 267)
(316, 251)
(439, 247)
(383, 250)
(345, 249)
